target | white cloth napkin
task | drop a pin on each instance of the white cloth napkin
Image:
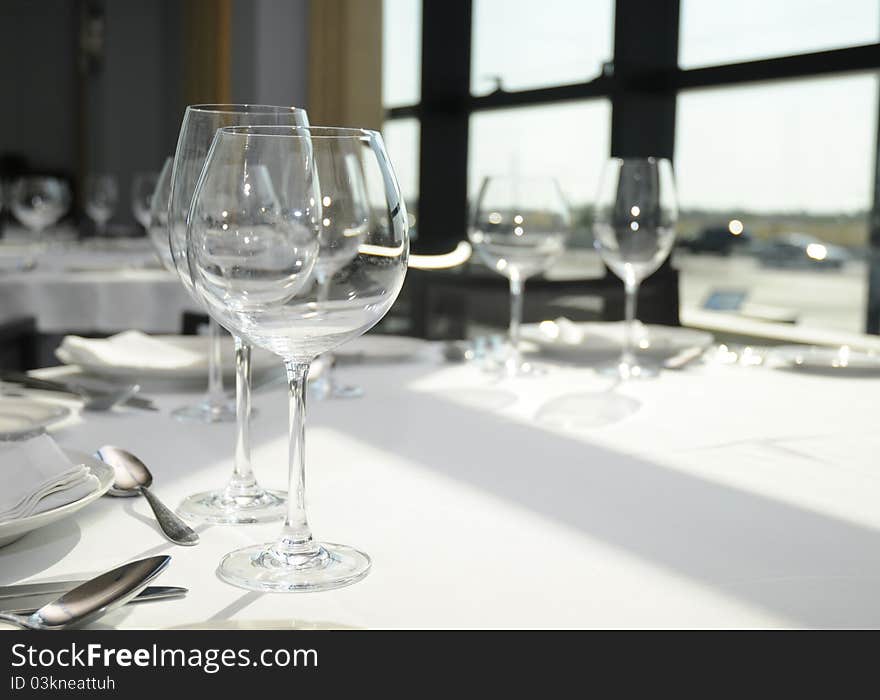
(37, 476)
(130, 349)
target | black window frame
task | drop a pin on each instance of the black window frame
(642, 81)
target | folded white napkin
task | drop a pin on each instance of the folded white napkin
(130, 349)
(38, 476)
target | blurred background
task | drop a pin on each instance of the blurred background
(768, 108)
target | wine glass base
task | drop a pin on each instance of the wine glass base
(326, 389)
(256, 568)
(219, 508)
(627, 371)
(207, 411)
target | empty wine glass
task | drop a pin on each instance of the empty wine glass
(143, 186)
(634, 229)
(157, 223)
(102, 195)
(242, 499)
(519, 228)
(39, 202)
(253, 262)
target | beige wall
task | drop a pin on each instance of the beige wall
(345, 63)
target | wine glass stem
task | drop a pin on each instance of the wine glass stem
(242, 482)
(296, 537)
(215, 362)
(516, 308)
(631, 289)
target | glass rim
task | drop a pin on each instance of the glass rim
(242, 108)
(298, 131)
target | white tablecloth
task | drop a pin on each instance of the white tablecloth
(733, 497)
(77, 288)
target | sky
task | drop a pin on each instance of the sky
(787, 146)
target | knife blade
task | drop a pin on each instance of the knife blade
(40, 384)
(24, 599)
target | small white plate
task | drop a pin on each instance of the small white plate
(382, 348)
(19, 416)
(594, 341)
(261, 360)
(12, 530)
(840, 360)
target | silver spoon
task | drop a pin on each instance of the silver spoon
(132, 478)
(93, 598)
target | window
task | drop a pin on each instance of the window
(782, 153)
(764, 156)
(727, 32)
(569, 142)
(517, 48)
(401, 52)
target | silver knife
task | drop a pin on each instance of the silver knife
(40, 384)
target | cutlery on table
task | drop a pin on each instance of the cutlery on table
(684, 357)
(132, 478)
(27, 598)
(93, 598)
(96, 396)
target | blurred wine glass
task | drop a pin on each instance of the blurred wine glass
(157, 221)
(39, 202)
(143, 185)
(634, 229)
(519, 228)
(102, 195)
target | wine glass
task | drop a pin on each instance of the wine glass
(634, 230)
(143, 185)
(102, 194)
(157, 222)
(242, 499)
(39, 202)
(519, 228)
(254, 264)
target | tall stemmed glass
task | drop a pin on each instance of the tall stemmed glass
(254, 268)
(634, 230)
(242, 500)
(102, 194)
(519, 228)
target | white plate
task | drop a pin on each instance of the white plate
(14, 529)
(21, 416)
(840, 360)
(382, 348)
(261, 360)
(589, 342)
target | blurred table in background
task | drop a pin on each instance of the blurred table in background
(92, 287)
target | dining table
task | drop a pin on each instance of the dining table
(714, 495)
(90, 286)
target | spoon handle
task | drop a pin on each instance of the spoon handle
(174, 528)
(17, 620)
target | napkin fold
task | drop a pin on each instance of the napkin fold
(37, 476)
(130, 349)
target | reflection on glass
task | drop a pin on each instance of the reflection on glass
(714, 33)
(402, 139)
(516, 47)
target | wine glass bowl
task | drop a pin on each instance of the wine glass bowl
(634, 231)
(519, 228)
(309, 250)
(39, 202)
